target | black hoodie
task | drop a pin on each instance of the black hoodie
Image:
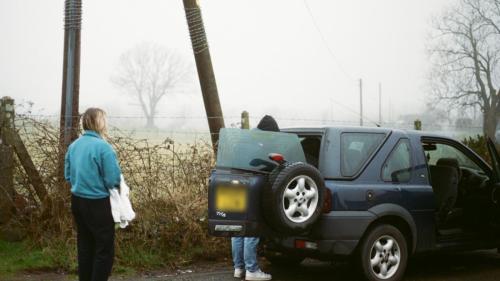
(267, 123)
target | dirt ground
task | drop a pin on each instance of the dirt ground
(472, 266)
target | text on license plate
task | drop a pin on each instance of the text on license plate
(231, 199)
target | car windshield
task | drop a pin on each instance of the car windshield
(250, 149)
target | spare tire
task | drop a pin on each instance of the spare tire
(294, 199)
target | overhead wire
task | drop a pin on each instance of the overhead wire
(113, 127)
(356, 112)
(325, 42)
(334, 58)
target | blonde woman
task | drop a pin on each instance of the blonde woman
(91, 166)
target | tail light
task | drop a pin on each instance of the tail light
(327, 206)
(304, 244)
(276, 157)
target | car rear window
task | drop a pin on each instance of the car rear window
(356, 149)
(250, 149)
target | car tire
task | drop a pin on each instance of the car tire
(293, 201)
(383, 254)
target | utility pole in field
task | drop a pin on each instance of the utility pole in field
(71, 71)
(68, 129)
(205, 69)
(361, 102)
(333, 113)
(390, 110)
(380, 104)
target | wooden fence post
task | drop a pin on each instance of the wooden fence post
(7, 191)
(418, 125)
(12, 138)
(6, 116)
(245, 120)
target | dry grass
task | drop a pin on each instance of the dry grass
(168, 184)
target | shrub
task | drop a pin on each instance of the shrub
(168, 184)
(478, 145)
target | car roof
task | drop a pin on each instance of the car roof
(358, 129)
(343, 128)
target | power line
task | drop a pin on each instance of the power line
(327, 46)
(174, 117)
(325, 42)
(24, 119)
(335, 59)
(354, 112)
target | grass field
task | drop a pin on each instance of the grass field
(168, 181)
(20, 256)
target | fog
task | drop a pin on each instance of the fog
(268, 56)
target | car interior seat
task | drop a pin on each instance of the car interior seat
(453, 162)
(445, 187)
(450, 162)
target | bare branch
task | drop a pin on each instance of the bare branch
(465, 56)
(149, 72)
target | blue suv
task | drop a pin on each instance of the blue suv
(373, 195)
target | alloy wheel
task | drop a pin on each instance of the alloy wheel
(385, 257)
(300, 199)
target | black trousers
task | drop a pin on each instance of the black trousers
(95, 237)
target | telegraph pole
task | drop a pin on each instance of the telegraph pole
(361, 102)
(205, 70)
(71, 72)
(68, 124)
(380, 104)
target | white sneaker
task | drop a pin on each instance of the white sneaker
(238, 273)
(257, 276)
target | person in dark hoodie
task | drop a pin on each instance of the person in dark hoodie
(244, 249)
(267, 123)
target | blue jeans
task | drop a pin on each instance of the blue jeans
(245, 253)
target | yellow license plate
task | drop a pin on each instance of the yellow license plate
(231, 199)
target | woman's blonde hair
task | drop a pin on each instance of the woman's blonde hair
(94, 119)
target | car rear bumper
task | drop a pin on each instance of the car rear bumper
(336, 234)
(342, 225)
(325, 249)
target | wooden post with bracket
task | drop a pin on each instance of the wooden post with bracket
(7, 191)
(11, 137)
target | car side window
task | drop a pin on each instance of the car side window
(356, 149)
(397, 167)
(440, 151)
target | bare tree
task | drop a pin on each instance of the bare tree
(150, 72)
(465, 52)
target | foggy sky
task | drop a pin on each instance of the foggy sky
(267, 55)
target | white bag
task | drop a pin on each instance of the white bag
(121, 208)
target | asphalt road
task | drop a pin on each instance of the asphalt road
(472, 266)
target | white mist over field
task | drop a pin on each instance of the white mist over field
(269, 57)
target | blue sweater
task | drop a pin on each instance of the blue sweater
(91, 166)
